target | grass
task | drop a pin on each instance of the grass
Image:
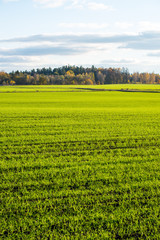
(79, 165)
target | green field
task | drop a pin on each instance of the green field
(79, 164)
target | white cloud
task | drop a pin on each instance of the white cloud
(50, 3)
(98, 6)
(123, 25)
(77, 4)
(71, 4)
(84, 25)
(148, 26)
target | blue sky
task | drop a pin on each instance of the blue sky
(104, 33)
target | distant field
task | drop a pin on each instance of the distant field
(77, 88)
(79, 164)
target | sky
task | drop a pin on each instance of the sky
(103, 33)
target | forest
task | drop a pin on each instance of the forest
(74, 75)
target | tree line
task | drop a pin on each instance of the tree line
(75, 75)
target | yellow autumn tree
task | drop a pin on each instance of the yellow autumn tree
(70, 73)
(12, 82)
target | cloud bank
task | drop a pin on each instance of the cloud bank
(41, 51)
(141, 41)
(89, 46)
